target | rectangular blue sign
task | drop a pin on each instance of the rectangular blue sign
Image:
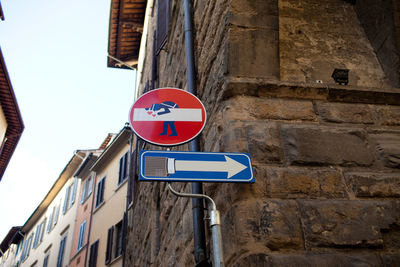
(183, 166)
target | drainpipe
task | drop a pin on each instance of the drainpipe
(197, 188)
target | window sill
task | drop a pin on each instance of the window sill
(115, 260)
(121, 184)
(98, 207)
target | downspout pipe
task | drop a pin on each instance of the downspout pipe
(197, 187)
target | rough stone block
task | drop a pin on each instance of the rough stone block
(273, 224)
(388, 115)
(325, 146)
(253, 53)
(348, 113)
(309, 259)
(388, 145)
(347, 223)
(258, 138)
(391, 260)
(305, 183)
(374, 184)
(256, 13)
(258, 108)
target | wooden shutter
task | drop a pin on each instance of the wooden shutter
(162, 24)
(61, 252)
(109, 244)
(45, 261)
(100, 192)
(66, 200)
(93, 254)
(73, 195)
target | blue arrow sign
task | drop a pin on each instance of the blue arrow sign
(183, 166)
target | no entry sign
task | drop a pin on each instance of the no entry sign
(167, 116)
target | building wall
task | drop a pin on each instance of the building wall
(325, 156)
(111, 212)
(83, 214)
(10, 257)
(51, 240)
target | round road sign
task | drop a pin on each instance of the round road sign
(167, 116)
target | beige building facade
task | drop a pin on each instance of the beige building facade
(46, 237)
(49, 230)
(80, 222)
(107, 234)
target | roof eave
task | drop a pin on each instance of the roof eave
(124, 36)
(15, 125)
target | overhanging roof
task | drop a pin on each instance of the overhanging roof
(13, 237)
(15, 125)
(124, 36)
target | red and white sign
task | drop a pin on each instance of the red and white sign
(167, 116)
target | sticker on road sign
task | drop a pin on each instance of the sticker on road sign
(167, 116)
(183, 166)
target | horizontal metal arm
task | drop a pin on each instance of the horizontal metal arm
(214, 207)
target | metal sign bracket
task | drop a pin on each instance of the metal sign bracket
(215, 224)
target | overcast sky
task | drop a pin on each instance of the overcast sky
(56, 55)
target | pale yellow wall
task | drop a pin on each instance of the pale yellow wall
(9, 258)
(113, 208)
(51, 240)
(3, 125)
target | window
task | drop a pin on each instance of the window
(39, 233)
(109, 244)
(55, 218)
(19, 247)
(66, 200)
(93, 254)
(61, 251)
(123, 168)
(70, 195)
(81, 235)
(50, 223)
(100, 192)
(115, 239)
(118, 239)
(27, 248)
(73, 192)
(86, 188)
(46, 260)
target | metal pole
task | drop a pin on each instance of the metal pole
(197, 188)
(215, 224)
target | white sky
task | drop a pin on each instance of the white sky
(55, 52)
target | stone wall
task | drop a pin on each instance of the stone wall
(326, 157)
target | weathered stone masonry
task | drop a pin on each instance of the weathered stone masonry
(326, 157)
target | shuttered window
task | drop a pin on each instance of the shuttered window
(115, 241)
(81, 235)
(162, 24)
(46, 260)
(93, 254)
(123, 168)
(60, 257)
(109, 244)
(100, 192)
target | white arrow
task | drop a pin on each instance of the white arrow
(230, 166)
